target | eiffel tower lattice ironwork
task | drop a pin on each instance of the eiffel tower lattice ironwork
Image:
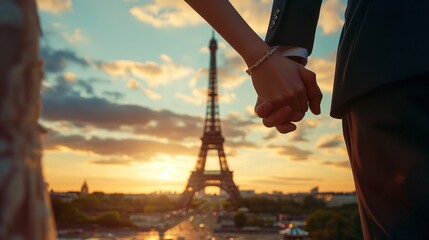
(212, 140)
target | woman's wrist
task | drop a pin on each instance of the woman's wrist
(254, 53)
(261, 60)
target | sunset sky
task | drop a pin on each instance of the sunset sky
(124, 101)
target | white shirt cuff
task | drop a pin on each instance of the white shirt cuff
(290, 51)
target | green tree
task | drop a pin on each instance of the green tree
(150, 209)
(310, 204)
(66, 213)
(109, 219)
(89, 203)
(334, 223)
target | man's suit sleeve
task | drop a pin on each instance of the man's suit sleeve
(293, 23)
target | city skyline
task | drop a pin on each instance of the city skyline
(125, 92)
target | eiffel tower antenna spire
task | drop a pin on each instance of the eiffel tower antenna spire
(212, 139)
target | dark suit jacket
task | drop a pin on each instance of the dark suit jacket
(382, 41)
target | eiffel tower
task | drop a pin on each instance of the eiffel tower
(212, 140)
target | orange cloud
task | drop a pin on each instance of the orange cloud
(341, 164)
(151, 94)
(294, 153)
(325, 71)
(54, 6)
(330, 141)
(330, 19)
(130, 148)
(154, 74)
(167, 13)
(62, 103)
(198, 96)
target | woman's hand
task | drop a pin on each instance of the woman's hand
(285, 90)
(277, 80)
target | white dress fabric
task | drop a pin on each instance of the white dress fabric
(25, 210)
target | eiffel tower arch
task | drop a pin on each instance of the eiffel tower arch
(212, 139)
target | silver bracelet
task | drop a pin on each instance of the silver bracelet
(265, 57)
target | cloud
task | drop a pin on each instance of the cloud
(298, 179)
(280, 180)
(151, 94)
(58, 25)
(166, 13)
(54, 6)
(114, 95)
(112, 161)
(304, 127)
(70, 77)
(69, 84)
(229, 76)
(204, 50)
(330, 19)
(300, 134)
(250, 112)
(235, 125)
(231, 73)
(255, 12)
(197, 97)
(133, 84)
(63, 103)
(140, 150)
(227, 97)
(154, 74)
(201, 72)
(325, 70)
(294, 153)
(330, 141)
(100, 113)
(240, 144)
(75, 37)
(341, 164)
(127, 150)
(271, 135)
(56, 60)
(177, 14)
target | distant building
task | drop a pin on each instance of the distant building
(314, 191)
(298, 197)
(84, 190)
(338, 199)
(247, 193)
(135, 196)
(278, 194)
(71, 195)
(65, 196)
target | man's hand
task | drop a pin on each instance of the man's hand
(313, 91)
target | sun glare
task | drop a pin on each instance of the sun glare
(166, 174)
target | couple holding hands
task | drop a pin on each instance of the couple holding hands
(380, 93)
